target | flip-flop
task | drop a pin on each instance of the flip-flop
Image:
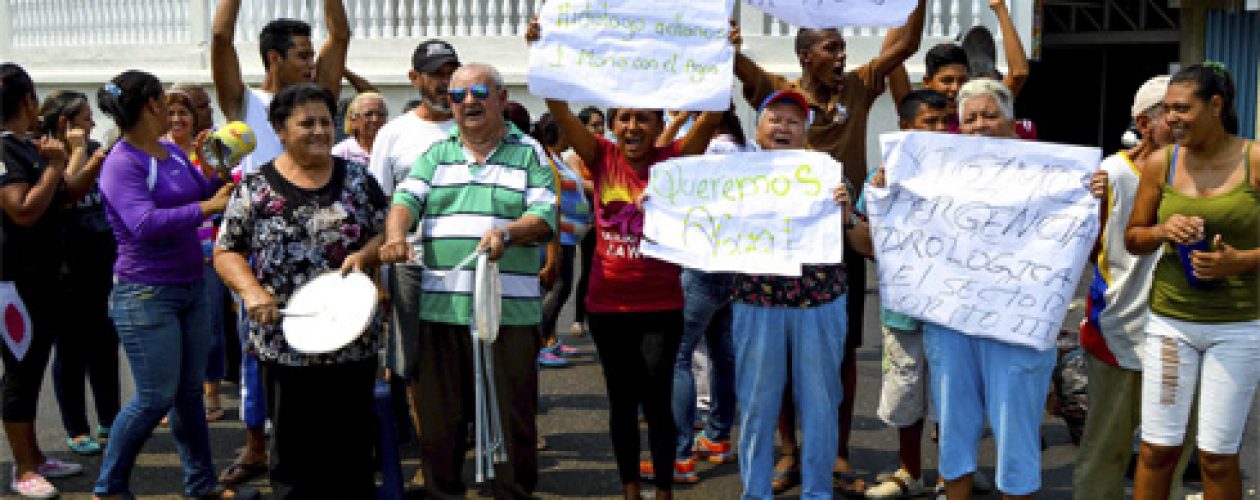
(784, 480)
(238, 473)
(849, 483)
(214, 413)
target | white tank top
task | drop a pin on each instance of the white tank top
(257, 103)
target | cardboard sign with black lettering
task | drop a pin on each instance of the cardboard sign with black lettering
(983, 235)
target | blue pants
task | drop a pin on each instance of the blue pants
(163, 330)
(216, 367)
(253, 399)
(770, 341)
(707, 314)
(976, 377)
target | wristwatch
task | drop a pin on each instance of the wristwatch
(507, 236)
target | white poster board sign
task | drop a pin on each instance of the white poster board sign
(655, 54)
(756, 213)
(985, 236)
(837, 13)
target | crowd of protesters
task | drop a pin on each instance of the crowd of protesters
(166, 256)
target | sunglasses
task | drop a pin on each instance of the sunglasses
(479, 91)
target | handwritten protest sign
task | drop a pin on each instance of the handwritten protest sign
(757, 213)
(837, 13)
(985, 236)
(658, 54)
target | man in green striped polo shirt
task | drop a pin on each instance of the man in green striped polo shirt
(484, 186)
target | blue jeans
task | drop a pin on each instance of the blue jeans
(164, 332)
(769, 340)
(216, 368)
(706, 313)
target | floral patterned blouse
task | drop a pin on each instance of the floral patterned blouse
(817, 285)
(291, 235)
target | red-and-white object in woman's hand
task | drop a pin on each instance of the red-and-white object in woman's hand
(17, 322)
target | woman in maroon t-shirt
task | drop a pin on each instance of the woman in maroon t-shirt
(634, 303)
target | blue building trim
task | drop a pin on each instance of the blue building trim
(1233, 38)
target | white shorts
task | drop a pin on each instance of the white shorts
(903, 397)
(1222, 360)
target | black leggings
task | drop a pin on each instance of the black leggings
(638, 351)
(87, 348)
(559, 294)
(19, 386)
(584, 281)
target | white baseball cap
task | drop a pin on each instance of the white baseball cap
(1150, 94)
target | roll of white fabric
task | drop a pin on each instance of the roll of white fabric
(487, 299)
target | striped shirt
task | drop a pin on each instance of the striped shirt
(455, 202)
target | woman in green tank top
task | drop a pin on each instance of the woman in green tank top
(1201, 199)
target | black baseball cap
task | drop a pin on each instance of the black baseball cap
(431, 55)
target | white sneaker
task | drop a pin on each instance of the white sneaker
(53, 468)
(897, 485)
(35, 487)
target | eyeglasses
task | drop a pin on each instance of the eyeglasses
(479, 91)
(373, 114)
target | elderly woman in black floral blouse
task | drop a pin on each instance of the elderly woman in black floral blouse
(789, 334)
(321, 405)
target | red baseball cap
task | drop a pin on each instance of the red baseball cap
(791, 96)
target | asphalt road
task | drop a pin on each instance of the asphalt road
(574, 421)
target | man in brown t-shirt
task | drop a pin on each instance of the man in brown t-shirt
(840, 101)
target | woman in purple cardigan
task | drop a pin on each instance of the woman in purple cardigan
(155, 199)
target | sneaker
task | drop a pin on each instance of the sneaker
(564, 350)
(718, 452)
(35, 487)
(53, 468)
(548, 359)
(897, 485)
(684, 471)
